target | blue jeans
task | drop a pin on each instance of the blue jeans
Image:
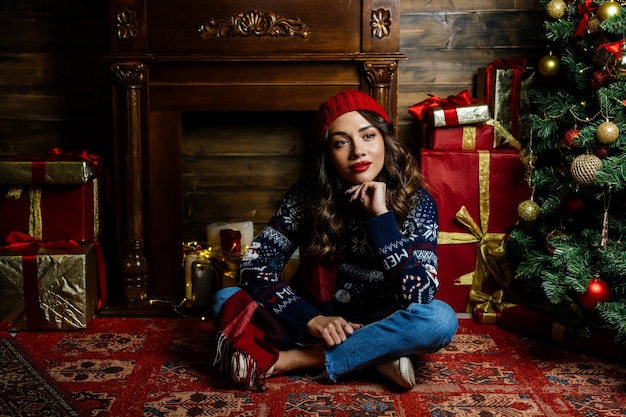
(418, 329)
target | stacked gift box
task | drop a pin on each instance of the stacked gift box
(470, 163)
(52, 273)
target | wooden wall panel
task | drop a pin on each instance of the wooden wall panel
(445, 43)
(54, 86)
(55, 91)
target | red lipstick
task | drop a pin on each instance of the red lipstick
(360, 166)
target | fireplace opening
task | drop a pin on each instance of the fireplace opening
(236, 166)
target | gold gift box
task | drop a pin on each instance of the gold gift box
(500, 95)
(67, 287)
(56, 172)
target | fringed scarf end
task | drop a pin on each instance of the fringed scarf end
(241, 366)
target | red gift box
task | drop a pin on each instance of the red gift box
(542, 325)
(466, 138)
(477, 194)
(51, 212)
(52, 198)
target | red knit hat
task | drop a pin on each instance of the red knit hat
(344, 102)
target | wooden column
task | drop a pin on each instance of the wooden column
(134, 267)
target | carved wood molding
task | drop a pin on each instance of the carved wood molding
(253, 22)
(127, 27)
(129, 74)
(381, 23)
(380, 74)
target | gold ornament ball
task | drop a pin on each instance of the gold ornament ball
(556, 9)
(593, 25)
(584, 168)
(607, 132)
(528, 211)
(549, 65)
(609, 9)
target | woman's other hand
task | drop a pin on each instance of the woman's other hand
(332, 329)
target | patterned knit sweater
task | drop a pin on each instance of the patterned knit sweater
(376, 257)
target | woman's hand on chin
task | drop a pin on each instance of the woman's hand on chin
(372, 195)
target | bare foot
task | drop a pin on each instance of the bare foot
(293, 359)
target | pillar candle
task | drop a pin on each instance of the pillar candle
(247, 232)
(213, 233)
(230, 240)
(245, 228)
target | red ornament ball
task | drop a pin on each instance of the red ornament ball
(574, 208)
(601, 152)
(600, 78)
(569, 139)
(597, 291)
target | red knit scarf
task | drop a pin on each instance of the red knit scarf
(247, 328)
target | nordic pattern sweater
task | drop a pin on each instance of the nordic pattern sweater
(377, 256)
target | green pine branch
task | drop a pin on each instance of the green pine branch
(615, 315)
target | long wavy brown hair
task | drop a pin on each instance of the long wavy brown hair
(326, 220)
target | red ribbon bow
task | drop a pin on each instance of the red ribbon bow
(448, 104)
(614, 47)
(19, 240)
(585, 10)
(57, 154)
(38, 166)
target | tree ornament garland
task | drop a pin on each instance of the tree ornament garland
(605, 219)
(608, 9)
(556, 9)
(528, 159)
(597, 291)
(549, 65)
(607, 132)
(553, 236)
(584, 168)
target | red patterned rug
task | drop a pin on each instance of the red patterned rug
(162, 367)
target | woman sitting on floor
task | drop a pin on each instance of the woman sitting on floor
(364, 291)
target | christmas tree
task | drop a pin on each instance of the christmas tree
(569, 249)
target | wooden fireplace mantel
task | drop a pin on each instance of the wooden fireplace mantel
(221, 55)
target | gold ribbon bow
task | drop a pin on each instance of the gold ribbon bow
(489, 246)
(488, 304)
